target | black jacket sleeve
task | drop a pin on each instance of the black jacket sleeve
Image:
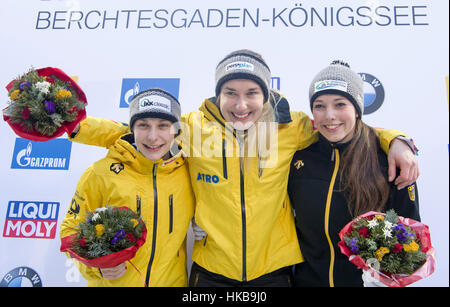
(405, 202)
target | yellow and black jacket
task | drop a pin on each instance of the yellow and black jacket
(249, 223)
(321, 213)
(160, 191)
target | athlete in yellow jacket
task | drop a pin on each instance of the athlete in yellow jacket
(149, 181)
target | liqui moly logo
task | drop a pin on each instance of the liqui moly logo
(31, 219)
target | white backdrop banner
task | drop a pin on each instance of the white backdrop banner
(118, 48)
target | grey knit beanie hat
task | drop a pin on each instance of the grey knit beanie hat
(339, 79)
(154, 103)
(244, 64)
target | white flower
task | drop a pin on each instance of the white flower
(95, 217)
(102, 209)
(388, 225)
(43, 86)
(372, 223)
(387, 233)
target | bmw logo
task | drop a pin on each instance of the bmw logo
(21, 277)
(373, 93)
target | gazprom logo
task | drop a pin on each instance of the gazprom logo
(132, 87)
(53, 154)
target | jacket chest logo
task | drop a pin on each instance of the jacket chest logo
(299, 164)
(116, 167)
(74, 208)
(207, 178)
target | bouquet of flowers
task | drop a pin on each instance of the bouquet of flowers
(44, 104)
(397, 251)
(109, 237)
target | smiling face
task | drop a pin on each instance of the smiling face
(334, 117)
(241, 103)
(154, 137)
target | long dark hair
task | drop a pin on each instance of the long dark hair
(362, 178)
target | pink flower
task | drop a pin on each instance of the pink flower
(364, 232)
(130, 237)
(397, 248)
(26, 113)
(83, 242)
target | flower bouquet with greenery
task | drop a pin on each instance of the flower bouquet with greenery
(108, 237)
(397, 251)
(44, 104)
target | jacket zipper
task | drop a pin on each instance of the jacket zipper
(243, 213)
(155, 221)
(170, 213)
(224, 159)
(335, 158)
(138, 205)
(244, 231)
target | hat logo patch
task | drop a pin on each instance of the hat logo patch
(154, 103)
(240, 66)
(330, 85)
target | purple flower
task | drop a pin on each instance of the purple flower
(49, 106)
(400, 227)
(23, 84)
(119, 235)
(353, 246)
(403, 235)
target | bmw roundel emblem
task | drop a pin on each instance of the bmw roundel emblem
(21, 277)
(373, 93)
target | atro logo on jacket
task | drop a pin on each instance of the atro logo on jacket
(132, 87)
(31, 219)
(53, 154)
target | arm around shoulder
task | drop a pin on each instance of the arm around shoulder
(400, 155)
(99, 132)
(305, 133)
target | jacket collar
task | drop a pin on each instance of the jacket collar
(212, 111)
(125, 152)
(328, 146)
